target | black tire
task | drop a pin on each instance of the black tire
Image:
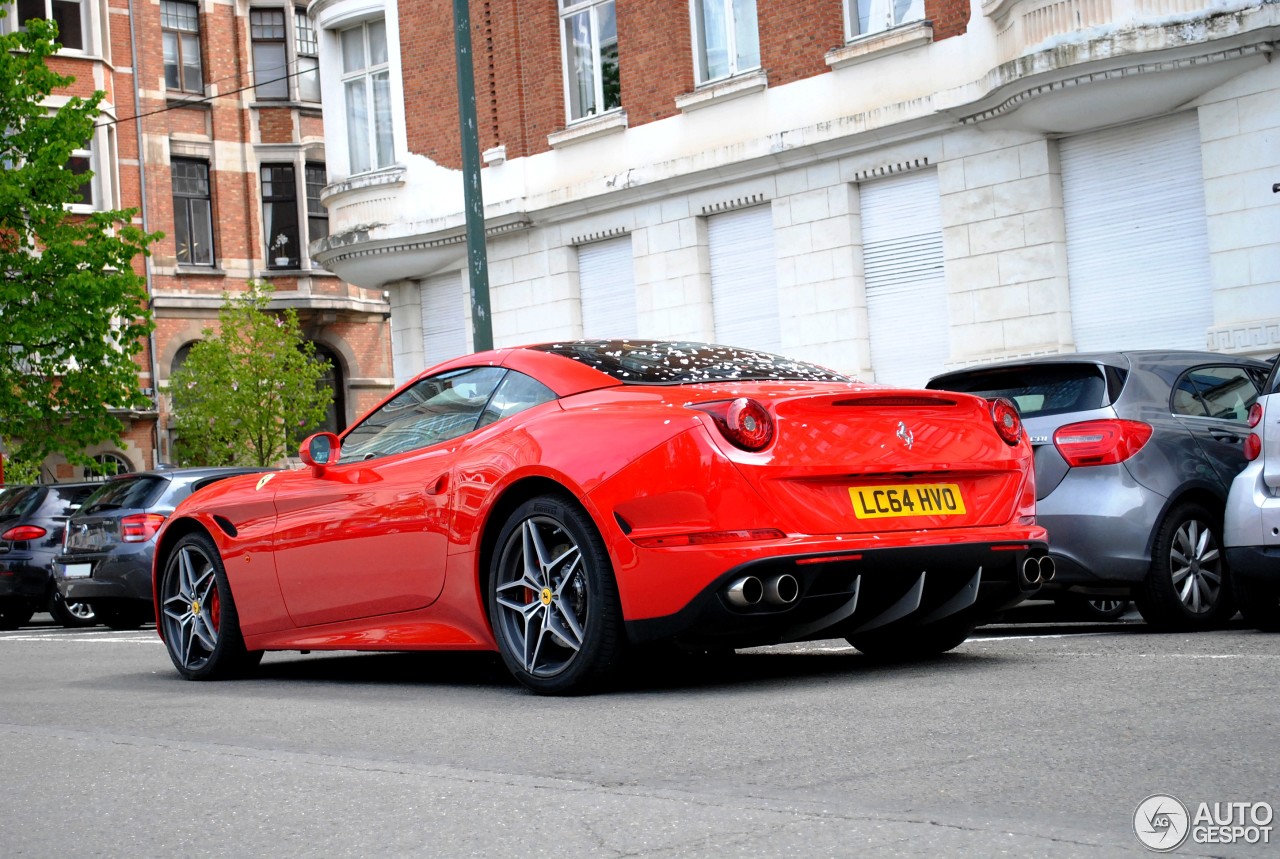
(1187, 586)
(1259, 602)
(14, 613)
(909, 644)
(198, 617)
(1102, 609)
(556, 619)
(122, 614)
(71, 615)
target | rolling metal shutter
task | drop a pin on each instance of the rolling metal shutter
(607, 286)
(907, 305)
(744, 285)
(444, 318)
(1137, 237)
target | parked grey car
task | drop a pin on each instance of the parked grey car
(1251, 530)
(108, 545)
(1135, 452)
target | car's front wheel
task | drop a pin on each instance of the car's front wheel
(1259, 602)
(1186, 587)
(553, 600)
(198, 616)
(905, 644)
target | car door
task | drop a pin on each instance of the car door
(1213, 402)
(369, 536)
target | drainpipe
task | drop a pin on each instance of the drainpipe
(146, 227)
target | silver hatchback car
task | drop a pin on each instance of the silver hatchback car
(1251, 530)
(1134, 454)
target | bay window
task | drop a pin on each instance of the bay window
(366, 87)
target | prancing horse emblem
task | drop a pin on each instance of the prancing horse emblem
(905, 434)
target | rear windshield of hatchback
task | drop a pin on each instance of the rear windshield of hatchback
(659, 362)
(18, 501)
(125, 493)
(1050, 389)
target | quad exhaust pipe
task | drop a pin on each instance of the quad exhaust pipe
(1036, 570)
(749, 591)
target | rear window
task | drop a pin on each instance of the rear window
(126, 493)
(652, 362)
(1050, 389)
(18, 501)
(68, 499)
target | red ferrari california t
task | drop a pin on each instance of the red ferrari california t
(561, 503)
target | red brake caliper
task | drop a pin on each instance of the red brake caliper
(215, 610)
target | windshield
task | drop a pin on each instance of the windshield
(660, 362)
(130, 493)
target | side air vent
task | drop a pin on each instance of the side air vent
(225, 524)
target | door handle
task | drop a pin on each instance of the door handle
(1229, 437)
(441, 484)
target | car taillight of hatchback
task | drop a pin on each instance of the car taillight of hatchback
(1253, 444)
(1100, 442)
(140, 527)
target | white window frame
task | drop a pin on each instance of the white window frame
(90, 38)
(881, 15)
(588, 12)
(367, 76)
(703, 74)
(99, 152)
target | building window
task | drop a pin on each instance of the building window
(864, 17)
(192, 212)
(280, 215)
(92, 164)
(317, 214)
(726, 39)
(83, 163)
(590, 33)
(180, 28)
(366, 87)
(285, 55)
(69, 15)
(335, 420)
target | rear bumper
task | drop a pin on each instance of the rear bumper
(1254, 562)
(843, 593)
(23, 578)
(124, 573)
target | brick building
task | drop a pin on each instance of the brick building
(212, 129)
(888, 187)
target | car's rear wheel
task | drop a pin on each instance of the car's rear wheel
(1186, 587)
(198, 616)
(14, 613)
(122, 614)
(1259, 602)
(906, 644)
(1093, 608)
(553, 600)
(71, 614)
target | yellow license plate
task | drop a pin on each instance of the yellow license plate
(907, 499)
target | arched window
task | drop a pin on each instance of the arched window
(180, 357)
(109, 465)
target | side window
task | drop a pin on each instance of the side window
(516, 393)
(1217, 392)
(428, 412)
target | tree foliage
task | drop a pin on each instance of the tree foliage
(247, 391)
(73, 311)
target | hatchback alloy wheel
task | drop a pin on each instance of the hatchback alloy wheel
(1186, 587)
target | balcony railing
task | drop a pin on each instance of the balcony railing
(1023, 25)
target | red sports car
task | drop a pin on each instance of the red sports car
(561, 503)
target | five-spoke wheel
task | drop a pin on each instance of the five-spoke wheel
(552, 598)
(198, 617)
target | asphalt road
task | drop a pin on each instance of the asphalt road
(1026, 741)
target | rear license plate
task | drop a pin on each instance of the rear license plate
(76, 571)
(907, 499)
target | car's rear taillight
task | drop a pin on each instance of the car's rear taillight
(1004, 414)
(23, 532)
(1252, 447)
(1103, 442)
(743, 421)
(140, 527)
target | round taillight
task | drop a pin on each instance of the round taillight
(1252, 447)
(744, 422)
(23, 532)
(1255, 415)
(1005, 416)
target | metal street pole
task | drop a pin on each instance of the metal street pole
(473, 197)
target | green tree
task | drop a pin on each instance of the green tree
(248, 390)
(73, 311)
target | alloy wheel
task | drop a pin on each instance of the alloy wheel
(191, 607)
(1195, 565)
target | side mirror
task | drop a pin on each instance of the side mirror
(319, 451)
